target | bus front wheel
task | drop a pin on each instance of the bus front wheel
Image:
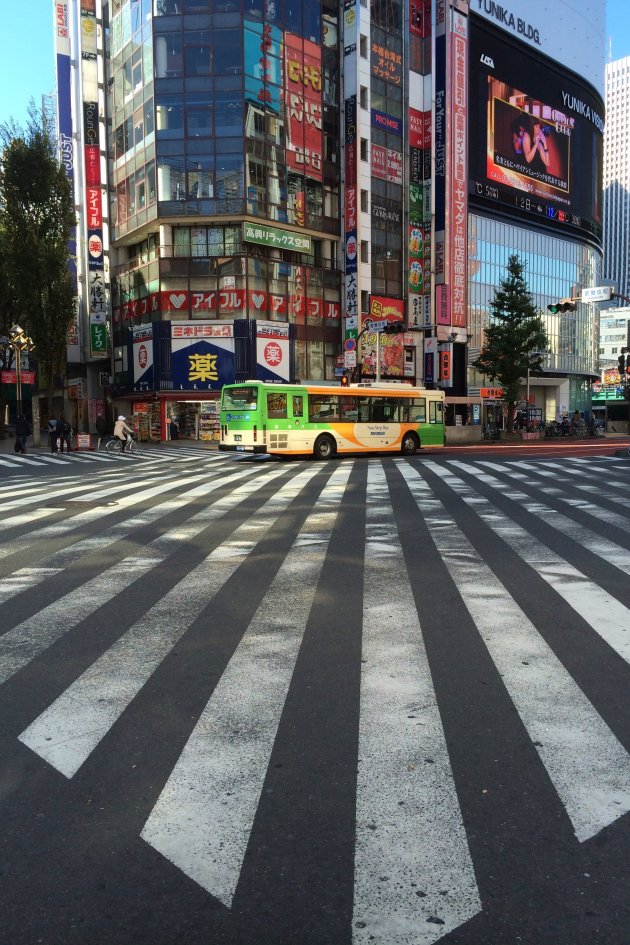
(324, 447)
(410, 444)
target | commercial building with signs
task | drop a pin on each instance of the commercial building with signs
(279, 177)
(617, 175)
(609, 403)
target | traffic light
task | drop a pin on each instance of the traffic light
(393, 328)
(344, 380)
(621, 365)
(563, 305)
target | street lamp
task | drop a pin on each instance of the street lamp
(20, 342)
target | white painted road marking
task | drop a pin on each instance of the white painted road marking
(587, 764)
(410, 838)
(203, 818)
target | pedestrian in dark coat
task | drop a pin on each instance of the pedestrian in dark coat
(22, 431)
(64, 432)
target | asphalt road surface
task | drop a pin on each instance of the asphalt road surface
(375, 700)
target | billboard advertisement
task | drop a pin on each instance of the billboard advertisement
(303, 105)
(536, 136)
(391, 347)
(572, 32)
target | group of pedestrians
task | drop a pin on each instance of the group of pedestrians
(59, 434)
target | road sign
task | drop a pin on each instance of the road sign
(598, 293)
(350, 344)
(378, 326)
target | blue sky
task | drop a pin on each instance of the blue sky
(27, 63)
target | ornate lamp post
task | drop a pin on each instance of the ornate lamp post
(20, 342)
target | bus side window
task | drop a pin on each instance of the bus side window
(439, 411)
(377, 412)
(391, 410)
(364, 411)
(419, 410)
(405, 410)
(298, 406)
(277, 406)
(435, 411)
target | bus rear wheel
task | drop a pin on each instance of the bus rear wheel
(324, 447)
(410, 444)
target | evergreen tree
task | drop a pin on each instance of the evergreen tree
(36, 219)
(515, 341)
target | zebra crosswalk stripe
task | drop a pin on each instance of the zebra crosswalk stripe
(28, 578)
(408, 823)
(583, 505)
(69, 730)
(598, 545)
(35, 634)
(594, 784)
(203, 817)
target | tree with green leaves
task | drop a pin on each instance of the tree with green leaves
(36, 220)
(515, 342)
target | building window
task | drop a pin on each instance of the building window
(363, 47)
(364, 201)
(365, 300)
(364, 149)
(363, 97)
(364, 251)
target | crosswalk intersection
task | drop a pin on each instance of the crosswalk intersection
(499, 583)
(149, 454)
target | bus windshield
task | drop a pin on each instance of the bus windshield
(240, 398)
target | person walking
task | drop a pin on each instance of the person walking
(22, 431)
(52, 434)
(64, 432)
(101, 429)
(121, 430)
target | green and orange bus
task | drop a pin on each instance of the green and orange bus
(322, 419)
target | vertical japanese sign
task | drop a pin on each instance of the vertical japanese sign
(303, 105)
(458, 172)
(64, 130)
(351, 222)
(142, 357)
(94, 220)
(440, 138)
(98, 314)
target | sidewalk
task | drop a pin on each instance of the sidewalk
(606, 444)
(7, 445)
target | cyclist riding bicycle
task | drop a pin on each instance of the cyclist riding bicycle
(122, 432)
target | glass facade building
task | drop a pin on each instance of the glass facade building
(222, 112)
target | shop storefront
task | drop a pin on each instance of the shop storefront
(177, 370)
(463, 419)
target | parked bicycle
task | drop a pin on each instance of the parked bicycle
(132, 445)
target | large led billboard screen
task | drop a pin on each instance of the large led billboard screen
(536, 136)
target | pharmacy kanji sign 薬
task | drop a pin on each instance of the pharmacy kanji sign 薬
(202, 355)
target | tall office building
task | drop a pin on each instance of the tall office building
(617, 175)
(277, 175)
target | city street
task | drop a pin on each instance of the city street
(370, 701)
